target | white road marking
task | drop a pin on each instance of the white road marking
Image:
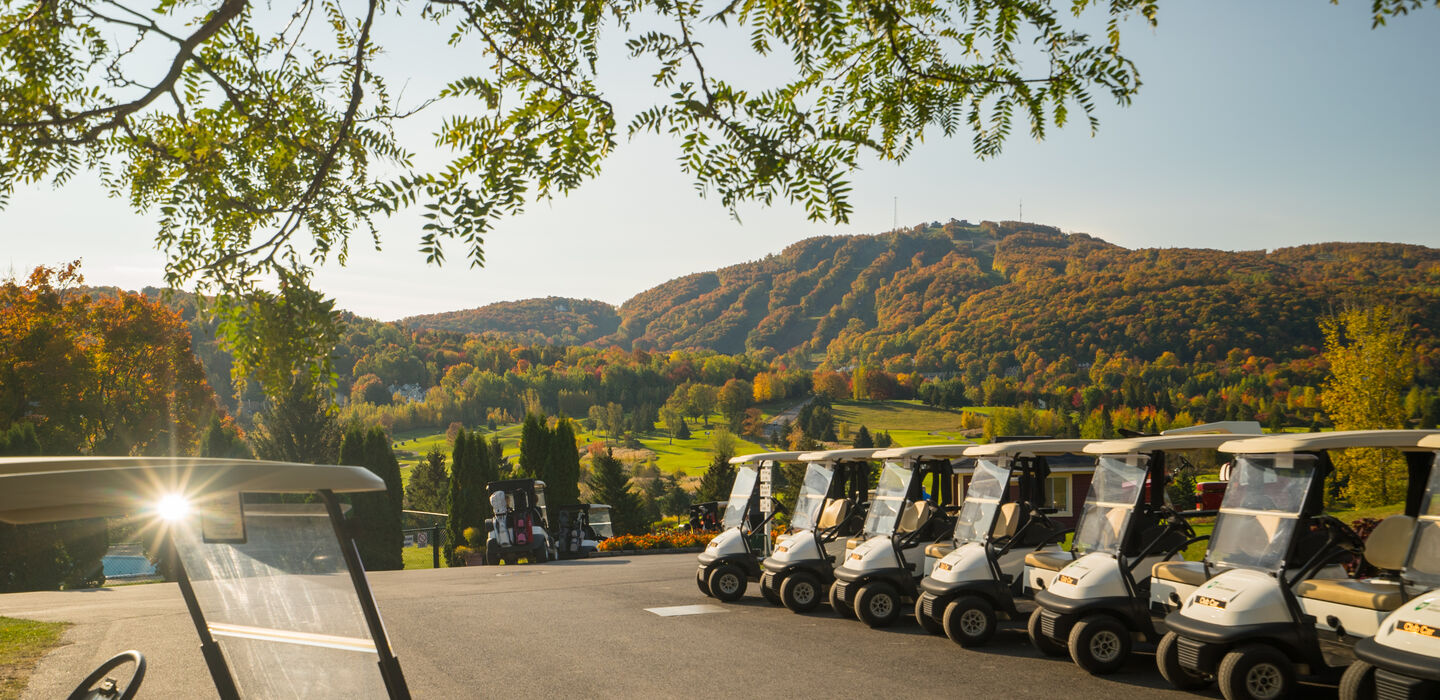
(686, 610)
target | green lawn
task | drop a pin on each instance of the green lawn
(421, 558)
(22, 643)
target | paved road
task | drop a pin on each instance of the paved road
(582, 629)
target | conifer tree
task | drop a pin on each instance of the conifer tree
(563, 486)
(863, 439)
(462, 499)
(719, 477)
(610, 485)
(221, 439)
(534, 452)
(429, 483)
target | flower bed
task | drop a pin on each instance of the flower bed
(663, 540)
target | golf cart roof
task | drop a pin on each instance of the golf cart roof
(1336, 440)
(1028, 447)
(1195, 437)
(1432, 442)
(923, 451)
(768, 457)
(837, 455)
(51, 489)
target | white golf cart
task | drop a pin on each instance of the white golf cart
(909, 511)
(1095, 598)
(519, 526)
(580, 528)
(831, 505)
(978, 582)
(1402, 659)
(733, 557)
(1277, 602)
(276, 589)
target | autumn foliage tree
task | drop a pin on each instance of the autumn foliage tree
(1371, 366)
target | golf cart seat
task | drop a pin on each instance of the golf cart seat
(1050, 560)
(1007, 521)
(834, 514)
(1190, 573)
(1386, 548)
(915, 517)
(854, 542)
(938, 550)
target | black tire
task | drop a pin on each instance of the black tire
(492, 554)
(1042, 643)
(1099, 644)
(1256, 672)
(969, 621)
(927, 623)
(702, 583)
(727, 582)
(771, 595)
(877, 604)
(838, 606)
(1358, 683)
(800, 592)
(1167, 658)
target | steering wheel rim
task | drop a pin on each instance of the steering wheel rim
(114, 662)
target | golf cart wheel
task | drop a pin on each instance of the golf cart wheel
(878, 604)
(771, 595)
(1358, 683)
(1041, 641)
(1167, 657)
(727, 582)
(838, 605)
(969, 621)
(702, 583)
(927, 623)
(800, 592)
(1099, 644)
(1256, 672)
(492, 554)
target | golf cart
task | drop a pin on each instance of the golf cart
(977, 583)
(830, 505)
(704, 517)
(910, 510)
(1276, 601)
(276, 590)
(519, 527)
(1402, 659)
(1096, 599)
(580, 529)
(733, 557)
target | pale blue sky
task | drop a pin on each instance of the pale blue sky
(1260, 125)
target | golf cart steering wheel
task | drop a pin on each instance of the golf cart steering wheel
(108, 689)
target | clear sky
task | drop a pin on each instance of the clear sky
(1260, 125)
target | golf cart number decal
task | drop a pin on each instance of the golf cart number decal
(943, 566)
(1068, 579)
(783, 548)
(856, 556)
(1212, 602)
(1417, 628)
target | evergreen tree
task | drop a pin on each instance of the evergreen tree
(379, 536)
(863, 439)
(563, 486)
(534, 449)
(496, 452)
(718, 479)
(297, 426)
(882, 439)
(222, 439)
(429, 483)
(466, 496)
(682, 431)
(609, 485)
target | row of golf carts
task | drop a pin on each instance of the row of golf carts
(965, 537)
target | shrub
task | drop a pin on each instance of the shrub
(664, 540)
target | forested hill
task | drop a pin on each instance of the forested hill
(983, 298)
(552, 320)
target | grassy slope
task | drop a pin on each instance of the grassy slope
(909, 423)
(22, 643)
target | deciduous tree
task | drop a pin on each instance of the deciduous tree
(1370, 368)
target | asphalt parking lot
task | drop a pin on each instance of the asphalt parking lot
(583, 629)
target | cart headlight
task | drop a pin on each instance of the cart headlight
(172, 506)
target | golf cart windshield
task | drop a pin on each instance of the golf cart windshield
(812, 496)
(281, 604)
(739, 497)
(1423, 564)
(600, 523)
(1113, 494)
(982, 499)
(1260, 511)
(889, 497)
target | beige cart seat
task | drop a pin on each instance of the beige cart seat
(1050, 560)
(1386, 549)
(1190, 573)
(834, 514)
(915, 517)
(1007, 521)
(938, 550)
